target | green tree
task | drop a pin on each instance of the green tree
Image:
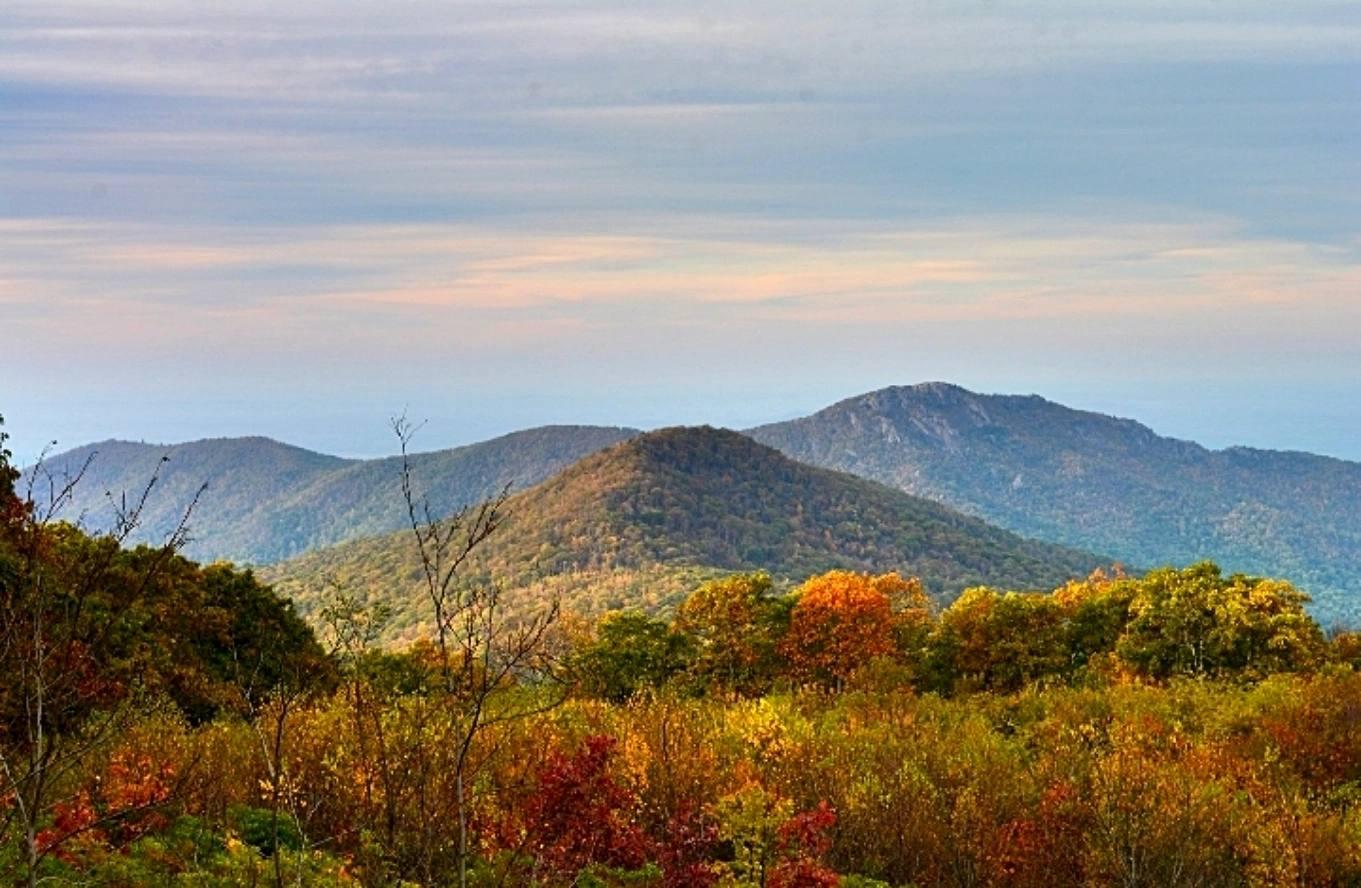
(1096, 611)
(247, 635)
(632, 651)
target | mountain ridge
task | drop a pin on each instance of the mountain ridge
(639, 523)
(1093, 481)
(1023, 462)
(267, 500)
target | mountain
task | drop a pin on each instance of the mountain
(639, 524)
(241, 474)
(1099, 483)
(267, 501)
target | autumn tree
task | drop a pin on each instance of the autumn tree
(1263, 627)
(993, 640)
(72, 647)
(913, 616)
(1346, 648)
(1196, 621)
(579, 815)
(840, 621)
(1096, 611)
(736, 622)
(772, 846)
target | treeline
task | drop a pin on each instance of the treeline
(165, 723)
(737, 635)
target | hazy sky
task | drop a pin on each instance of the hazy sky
(297, 218)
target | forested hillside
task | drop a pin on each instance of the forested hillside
(637, 524)
(1099, 483)
(265, 501)
(238, 477)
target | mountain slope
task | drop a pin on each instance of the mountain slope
(240, 474)
(267, 501)
(365, 498)
(638, 524)
(1099, 483)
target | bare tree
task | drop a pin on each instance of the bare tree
(482, 650)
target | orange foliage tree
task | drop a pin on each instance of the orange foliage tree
(840, 622)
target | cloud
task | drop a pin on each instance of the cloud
(986, 270)
(618, 190)
(545, 55)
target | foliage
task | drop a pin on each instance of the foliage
(91, 634)
(771, 844)
(1211, 781)
(840, 621)
(1183, 728)
(736, 623)
(264, 830)
(1198, 622)
(126, 619)
(580, 815)
(631, 652)
(998, 640)
(8, 474)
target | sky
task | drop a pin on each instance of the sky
(299, 219)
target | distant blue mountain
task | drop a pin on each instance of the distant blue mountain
(1099, 483)
(266, 501)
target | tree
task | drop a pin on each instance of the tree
(631, 651)
(1096, 611)
(1346, 648)
(1173, 621)
(1263, 628)
(771, 845)
(72, 646)
(997, 641)
(912, 615)
(736, 623)
(480, 651)
(87, 626)
(579, 815)
(244, 633)
(279, 665)
(9, 476)
(840, 621)
(1198, 622)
